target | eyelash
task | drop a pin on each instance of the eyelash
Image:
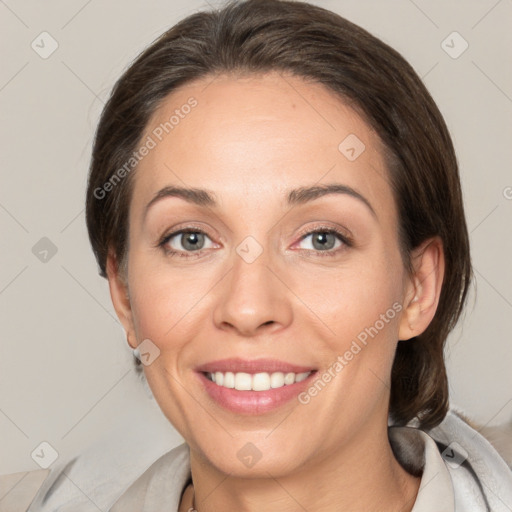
(347, 242)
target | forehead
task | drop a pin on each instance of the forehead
(258, 135)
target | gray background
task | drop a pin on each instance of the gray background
(66, 374)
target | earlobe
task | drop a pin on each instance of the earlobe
(120, 297)
(423, 288)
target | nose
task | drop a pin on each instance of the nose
(253, 298)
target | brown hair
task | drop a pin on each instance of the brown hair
(258, 36)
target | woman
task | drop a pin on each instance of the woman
(275, 201)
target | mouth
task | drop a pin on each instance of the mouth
(262, 381)
(253, 387)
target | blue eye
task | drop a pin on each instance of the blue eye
(323, 241)
(189, 240)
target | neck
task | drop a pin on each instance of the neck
(360, 476)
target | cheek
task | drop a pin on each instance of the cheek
(359, 308)
(350, 299)
(163, 304)
(360, 314)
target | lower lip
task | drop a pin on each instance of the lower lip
(253, 402)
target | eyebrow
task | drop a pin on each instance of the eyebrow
(298, 196)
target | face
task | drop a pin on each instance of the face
(268, 277)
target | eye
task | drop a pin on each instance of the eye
(185, 240)
(325, 240)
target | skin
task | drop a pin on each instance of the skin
(249, 140)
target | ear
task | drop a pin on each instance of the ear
(423, 288)
(119, 294)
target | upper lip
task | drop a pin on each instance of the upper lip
(252, 366)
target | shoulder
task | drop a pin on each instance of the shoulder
(481, 477)
(499, 436)
(17, 490)
(164, 479)
(461, 463)
(96, 477)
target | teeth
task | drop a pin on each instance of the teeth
(256, 382)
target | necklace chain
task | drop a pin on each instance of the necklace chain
(193, 499)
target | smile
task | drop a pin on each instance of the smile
(263, 381)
